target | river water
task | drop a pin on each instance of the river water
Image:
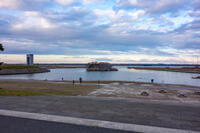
(123, 74)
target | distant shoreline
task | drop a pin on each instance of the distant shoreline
(117, 64)
(23, 71)
(183, 70)
(65, 65)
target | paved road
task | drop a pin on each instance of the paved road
(176, 115)
(20, 125)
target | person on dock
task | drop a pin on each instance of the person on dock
(152, 80)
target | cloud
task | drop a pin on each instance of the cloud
(104, 31)
(137, 14)
(152, 6)
(25, 4)
(64, 2)
(86, 2)
(33, 5)
(81, 16)
(196, 4)
(32, 20)
(166, 6)
(10, 4)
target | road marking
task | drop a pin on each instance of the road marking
(93, 123)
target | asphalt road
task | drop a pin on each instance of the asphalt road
(169, 115)
(20, 125)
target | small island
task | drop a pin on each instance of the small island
(198, 77)
(100, 66)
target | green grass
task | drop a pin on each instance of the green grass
(18, 93)
(10, 66)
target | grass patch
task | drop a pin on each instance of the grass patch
(18, 93)
(14, 66)
(47, 88)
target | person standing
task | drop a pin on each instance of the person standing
(152, 81)
(80, 80)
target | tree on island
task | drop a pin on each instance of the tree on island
(1, 47)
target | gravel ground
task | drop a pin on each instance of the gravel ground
(167, 92)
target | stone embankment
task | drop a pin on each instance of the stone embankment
(23, 71)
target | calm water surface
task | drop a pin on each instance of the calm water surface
(123, 74)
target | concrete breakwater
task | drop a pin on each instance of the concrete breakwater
(23, 71)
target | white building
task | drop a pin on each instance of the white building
(29, 59)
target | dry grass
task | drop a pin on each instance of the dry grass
(47, 88)
(18, 93)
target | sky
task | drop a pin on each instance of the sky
(116, 31)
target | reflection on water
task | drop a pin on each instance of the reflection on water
(123, 74)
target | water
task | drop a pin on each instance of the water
(123, 74)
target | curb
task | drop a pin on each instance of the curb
(93, 123)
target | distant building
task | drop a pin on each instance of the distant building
(29, 59)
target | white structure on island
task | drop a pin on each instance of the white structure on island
(29, 59)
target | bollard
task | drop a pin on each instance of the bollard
(98, 84)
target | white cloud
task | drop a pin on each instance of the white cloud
(10, 4)
(86, 2)
(33, 20)
(136, 14)
(64, 2)
(133, 2)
